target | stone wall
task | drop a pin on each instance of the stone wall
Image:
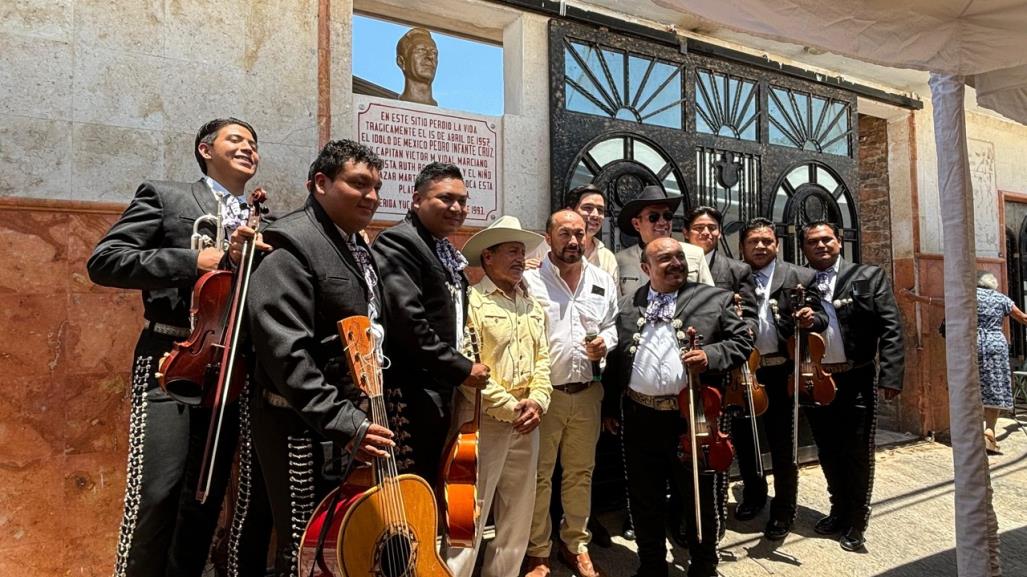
(98, 96)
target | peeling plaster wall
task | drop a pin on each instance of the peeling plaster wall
(98, 96)
(997, 149)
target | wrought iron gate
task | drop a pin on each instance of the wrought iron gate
(626, 113)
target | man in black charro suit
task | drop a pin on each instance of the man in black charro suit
(650, 363)
(773, 279)
(864, 354)
(308, 420)
(164, 530)
(426, 292)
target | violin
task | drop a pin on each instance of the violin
(190, 372)
(203, 371)
(814, 385)
(743, 390)
(460, 471)
(705, 445)
(746, 394)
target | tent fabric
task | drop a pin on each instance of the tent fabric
(982, 40)
(976, 526)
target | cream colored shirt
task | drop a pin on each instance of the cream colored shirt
(514, 345)
(604, 258)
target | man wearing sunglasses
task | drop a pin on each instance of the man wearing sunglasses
(651, 216)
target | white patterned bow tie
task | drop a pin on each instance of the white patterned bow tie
(660, 308)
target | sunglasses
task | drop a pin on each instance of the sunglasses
(655, 217)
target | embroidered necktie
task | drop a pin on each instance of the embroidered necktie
(660, 308)
(452, 259)
(824, 284)
(761, 283)
(363, 258)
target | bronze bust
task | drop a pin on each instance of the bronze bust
(418, 57)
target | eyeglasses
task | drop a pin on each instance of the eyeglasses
(654, 217)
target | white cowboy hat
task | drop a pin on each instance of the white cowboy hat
(503, 229)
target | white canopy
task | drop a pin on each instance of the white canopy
(984, 41)
(978, 42)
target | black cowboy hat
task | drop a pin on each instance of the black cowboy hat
(652, 194)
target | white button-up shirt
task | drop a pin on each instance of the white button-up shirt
(766, 338)
(657, 369)
(591, 307)
(835, 352)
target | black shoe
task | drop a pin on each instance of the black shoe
(600, 536)
(853, 540)
(777, 530)
(830, 525)
(748, 509)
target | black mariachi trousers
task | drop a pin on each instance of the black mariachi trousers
(651, 454)
(844, 433)
(777, 424)
(165, 531)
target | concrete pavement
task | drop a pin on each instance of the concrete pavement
(911, 530)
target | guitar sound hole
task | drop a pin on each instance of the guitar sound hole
(395, 554)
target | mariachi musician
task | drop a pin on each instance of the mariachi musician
(426, 294)
(703, 228)
(164, 528)
(773, 279)
(651, 361)
(308, 421)
(864, 326)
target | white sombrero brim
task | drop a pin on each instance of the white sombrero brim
(483, 239)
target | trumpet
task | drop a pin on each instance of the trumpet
(200, 241)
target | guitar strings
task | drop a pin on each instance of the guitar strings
(398, 551)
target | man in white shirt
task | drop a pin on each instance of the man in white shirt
(581, 303)
(651, 361)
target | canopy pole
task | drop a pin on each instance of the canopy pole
(976, 526)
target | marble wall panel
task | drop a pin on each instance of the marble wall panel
(109, 162)
(93, 493)
(49, 19)
(127, 27)
(283, 173)
(194, 92)
(35, 77)
(35, 158)
(218, 23)
(101, 331)
(280, 96)
(179, 160)
(34, 255)
(84, 230)
(116, 87)
(32, 328)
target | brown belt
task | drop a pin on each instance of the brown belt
(168, 330)
(837, 367)
(655, 402)
(773, 360)
(571, 388)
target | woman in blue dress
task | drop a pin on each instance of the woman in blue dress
(992, 349)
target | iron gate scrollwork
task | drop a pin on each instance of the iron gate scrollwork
(626, 112)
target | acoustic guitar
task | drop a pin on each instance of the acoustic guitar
(388, 529)
(459, 476)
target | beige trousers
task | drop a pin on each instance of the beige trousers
(507, 462)
(569, 429)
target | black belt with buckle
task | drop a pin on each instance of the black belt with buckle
(168, 330)
(571, 388)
